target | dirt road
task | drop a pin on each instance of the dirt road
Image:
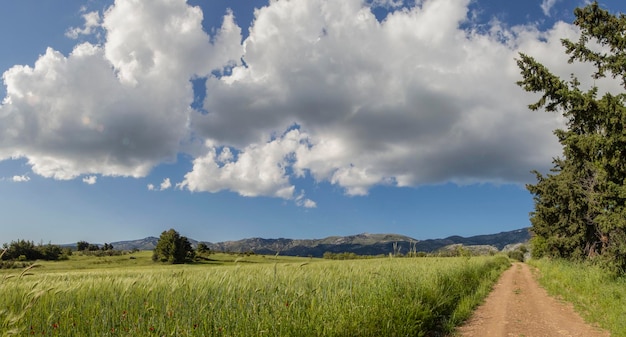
(519, 307)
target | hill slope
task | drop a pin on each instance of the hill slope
(360, 244)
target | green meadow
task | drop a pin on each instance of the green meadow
(244, 296)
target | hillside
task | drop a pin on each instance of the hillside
(360, 244)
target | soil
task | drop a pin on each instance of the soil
(519, 307)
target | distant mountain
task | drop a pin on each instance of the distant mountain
(361, 244)
(499, 240)
(148, 243)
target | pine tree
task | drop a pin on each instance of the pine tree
(580, 207)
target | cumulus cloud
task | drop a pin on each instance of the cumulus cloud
(256, 170)
(323, 90)
(116, 109)
(90, 180)
(20, 179)
(387, 3)
(440, 104)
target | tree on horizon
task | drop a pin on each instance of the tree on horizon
(173, 248)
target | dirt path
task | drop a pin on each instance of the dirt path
(519, 307)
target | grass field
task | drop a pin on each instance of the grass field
(244, 296)
(598, 296)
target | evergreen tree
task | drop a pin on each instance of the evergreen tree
(82, 245)
(203, 248)
(173, 248)
(580, 208)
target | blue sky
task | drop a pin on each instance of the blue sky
(301, 119)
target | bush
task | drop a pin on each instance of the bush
(516, 255)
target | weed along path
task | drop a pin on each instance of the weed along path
(519, 307)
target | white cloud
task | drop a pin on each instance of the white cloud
(301, 201)
(20, 179)
(546, 6)
(166, 184)
(258, 169)
(90, 180)
(387, 3)
(116, 109)
(92, 22)
(440, 103)
(327, 91)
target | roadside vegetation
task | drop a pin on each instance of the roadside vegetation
(579, 232)
(596, 295)
(580, 206)
(231, 295)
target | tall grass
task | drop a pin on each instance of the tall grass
(11, 319)
(598, 296)
(380, 297)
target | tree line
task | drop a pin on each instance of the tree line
(24, 250)
(580, 206)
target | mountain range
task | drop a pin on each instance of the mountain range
(360, 244)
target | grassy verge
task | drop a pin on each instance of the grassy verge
(597, 296)
(379, 297)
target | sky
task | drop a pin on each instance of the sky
(298, 119)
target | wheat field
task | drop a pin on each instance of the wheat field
(289, 297)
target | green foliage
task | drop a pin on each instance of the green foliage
(23, 250)
(342, 256)
(82, 245)
(597, 295)
(376, 297)
(173, 248)
(580, 206)
(50, 252)
(203, 248)
(516, 255)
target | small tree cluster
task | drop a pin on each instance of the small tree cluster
(23, 250)
(83, 246)
(203, 248)
(173, 248)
